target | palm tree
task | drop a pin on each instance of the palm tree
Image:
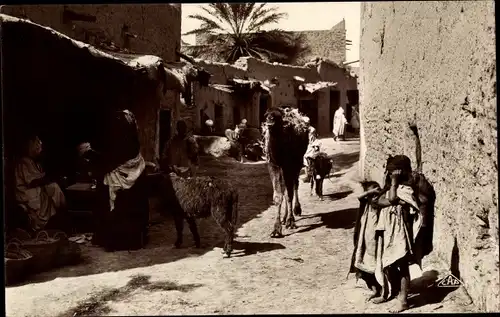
(233, 30)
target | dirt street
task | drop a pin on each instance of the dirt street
(304, 272)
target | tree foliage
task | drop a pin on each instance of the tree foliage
(233, 30)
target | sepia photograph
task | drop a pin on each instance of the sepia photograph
(249, 158)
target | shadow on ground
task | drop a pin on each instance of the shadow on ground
(97, 305)
(340, 219)
(339, 195)
(252, 180)
(249, 248)
(424, 290)
(344, 160)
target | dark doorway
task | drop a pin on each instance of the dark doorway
(310, 109)
(265, 100)
(334, 105)
(219, 117)
(203, 118)
(236, 115)
(165, 122)
(352, 100)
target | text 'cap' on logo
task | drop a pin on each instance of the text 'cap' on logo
(449, 281)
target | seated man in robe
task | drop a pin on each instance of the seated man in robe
(36, 192)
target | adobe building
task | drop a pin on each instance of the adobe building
(434, 64)
(247, 88)
(153, 29)
(62, 89)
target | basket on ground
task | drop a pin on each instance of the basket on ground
(17, 263)
(44, 250)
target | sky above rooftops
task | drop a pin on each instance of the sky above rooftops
(302, 16)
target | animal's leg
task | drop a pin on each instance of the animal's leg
(225, 220)
(179, 227)
(290, 190)
(228, 241)
(278, 190)
(194, 231)
(283, 221)
(297, 209)
(277, 232)
(312, 186)
(232, 223)
(319, 188)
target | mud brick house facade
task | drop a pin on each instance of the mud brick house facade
(434, 63)
(153, 29)
(247, 88)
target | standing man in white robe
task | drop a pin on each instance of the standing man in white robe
(339, 122)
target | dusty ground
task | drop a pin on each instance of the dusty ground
(304, 272)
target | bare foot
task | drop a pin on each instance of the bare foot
(276, 234)
(379, 300)
(400, 306)
(372, 296)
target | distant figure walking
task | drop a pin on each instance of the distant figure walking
(208, 127)
(313, 136)
(339, 122)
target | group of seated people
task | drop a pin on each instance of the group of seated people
(40, 201)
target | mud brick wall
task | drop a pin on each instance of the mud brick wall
(157, 28)
(283, 93)
(434, 62)
(330, 44)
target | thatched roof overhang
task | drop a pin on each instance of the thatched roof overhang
(64, 87)
(223, 88)
(250, 85)
(314, 87)
(23, 39)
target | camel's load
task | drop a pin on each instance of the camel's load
(292, 117)
(216, 146)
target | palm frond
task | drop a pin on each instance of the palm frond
(233, 30)
(268, 19)
(223, 10)
(208, 25)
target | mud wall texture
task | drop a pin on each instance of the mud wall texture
(330, 44)
(153, 29)
(434, 63)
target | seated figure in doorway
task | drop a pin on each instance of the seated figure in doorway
(37, 193)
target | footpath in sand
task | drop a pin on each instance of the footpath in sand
(304, 272)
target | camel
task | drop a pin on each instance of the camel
(285, 143)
